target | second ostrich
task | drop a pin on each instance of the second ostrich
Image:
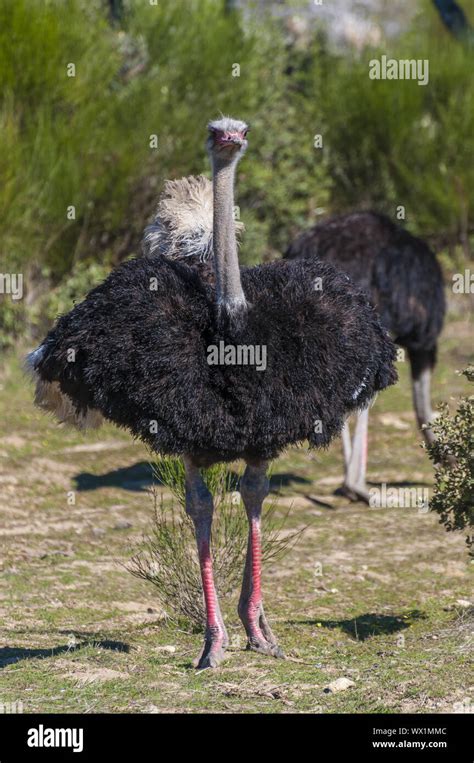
(404, 281)
(137, 350)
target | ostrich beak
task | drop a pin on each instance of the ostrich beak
(231, 139)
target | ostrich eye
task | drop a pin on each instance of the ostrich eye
(246, 131)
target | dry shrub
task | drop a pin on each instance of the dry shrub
(167, 556)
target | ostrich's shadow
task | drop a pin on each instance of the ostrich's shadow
(401, 483)
(363, 627)
(284, 479)
(11, 654)
(139, 477)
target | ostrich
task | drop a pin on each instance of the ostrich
(405, 283)
(136, 351)
(454, 19)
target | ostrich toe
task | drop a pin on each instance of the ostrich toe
(212, 652)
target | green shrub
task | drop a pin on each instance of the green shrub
(393, 143)
(167, 557)
(453, 497)
(84, 141)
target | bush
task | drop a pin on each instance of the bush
(168, 557)
(453, 497)
(391, 143)
(84, 141)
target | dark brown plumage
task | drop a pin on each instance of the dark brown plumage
(403, 280)
(399, 272)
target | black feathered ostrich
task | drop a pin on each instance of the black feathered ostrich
(405, 283)
(454, 19)
(137, 352)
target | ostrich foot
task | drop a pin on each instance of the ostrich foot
(260, 636)
(354, 492)
(262, 646)
(212, 652)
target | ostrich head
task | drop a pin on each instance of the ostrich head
(227, 139)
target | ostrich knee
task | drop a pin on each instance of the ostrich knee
(421, 364)
(355, 459)
(422, 403)
(199, 506)
(254, 488)
(346, 444)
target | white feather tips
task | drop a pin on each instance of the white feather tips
(48, 397)
(183, 222)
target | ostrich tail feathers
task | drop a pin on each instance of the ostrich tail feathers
(183, 222)
(48, 397)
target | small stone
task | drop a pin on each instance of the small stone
(340, 684)
(122, 524)
(8, 479)
(465, 603)
(168, 648)
(392, 420)
(98, 532)
(46, 554)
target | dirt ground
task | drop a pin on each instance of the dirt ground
(376, 595)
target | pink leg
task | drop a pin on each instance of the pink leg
(254, 488)
(199, 506)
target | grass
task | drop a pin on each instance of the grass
(370, 594)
